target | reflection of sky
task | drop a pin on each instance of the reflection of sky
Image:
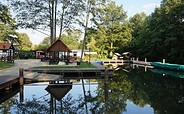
(133, 109)
(38, 91)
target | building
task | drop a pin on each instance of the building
(7, 51)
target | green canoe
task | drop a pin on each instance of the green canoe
(168, 72)
(168, 66)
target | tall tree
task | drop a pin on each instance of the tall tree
(111, 22)
(45, 14)
(137, 23)
(161, 35)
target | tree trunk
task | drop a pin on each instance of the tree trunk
(86, 27)
(111, 50)
(51, 28)
(61, 26)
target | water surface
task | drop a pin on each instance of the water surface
(129, 91)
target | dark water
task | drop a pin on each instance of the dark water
(129, 91)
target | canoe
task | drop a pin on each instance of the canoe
(168, 66)
(168, 72)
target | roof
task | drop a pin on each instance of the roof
(5, 46)
(58, 46)
(58, 91)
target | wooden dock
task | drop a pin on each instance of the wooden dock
(6, 82)
(142, 63)
(119, 62)
(57, 74)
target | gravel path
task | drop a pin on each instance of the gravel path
(14, 71)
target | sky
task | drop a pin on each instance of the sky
(130, 6)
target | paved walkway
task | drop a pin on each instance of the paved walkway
(14, 71)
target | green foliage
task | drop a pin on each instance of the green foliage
(24, 41)
(43, 45)
(48, 14)
(112, 32)
(161, 35)
(71, 38)
(7, 24)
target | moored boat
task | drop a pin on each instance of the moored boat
(168, 72)
(168, 66)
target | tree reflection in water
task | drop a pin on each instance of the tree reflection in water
(163, 93)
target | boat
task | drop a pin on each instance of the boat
(175, 74)
(168, 66)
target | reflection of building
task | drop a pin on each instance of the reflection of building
(6, 51)
(59, 91)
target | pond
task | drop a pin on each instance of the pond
(130, 91)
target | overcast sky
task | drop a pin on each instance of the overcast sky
(130, 6)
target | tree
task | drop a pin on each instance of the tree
(71, 38)
(45, 14)
(114, 30)
(137, 23)
(43, 45)
(7, 26)
(24, 41)
(161, 35)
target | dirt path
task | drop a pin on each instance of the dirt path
(14, 71)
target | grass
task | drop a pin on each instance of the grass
(82, 65)
(4, 65)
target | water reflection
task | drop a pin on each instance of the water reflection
(129, 91)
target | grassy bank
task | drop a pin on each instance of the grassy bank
(4, 65)
(82, 65)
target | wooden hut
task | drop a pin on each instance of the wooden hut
(7, 51)
(58, 51)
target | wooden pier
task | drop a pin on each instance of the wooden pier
(57, 74)
(116, 63)
(142, 63)
(6, 82)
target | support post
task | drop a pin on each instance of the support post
(21, 77)
(163, 60)
(106, 73)
(137, 59)
(145, 60)
(21, 94)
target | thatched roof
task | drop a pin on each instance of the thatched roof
(58, 46)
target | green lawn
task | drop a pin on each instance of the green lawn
(4, 65)
(82, 65)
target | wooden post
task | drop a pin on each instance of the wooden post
(21, 77)
(22, 93)
(106, 73)
(137, 59)
(146, 60)
(163, 60)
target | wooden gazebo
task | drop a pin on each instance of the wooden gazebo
(54, 50)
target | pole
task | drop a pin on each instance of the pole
(21, 77)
